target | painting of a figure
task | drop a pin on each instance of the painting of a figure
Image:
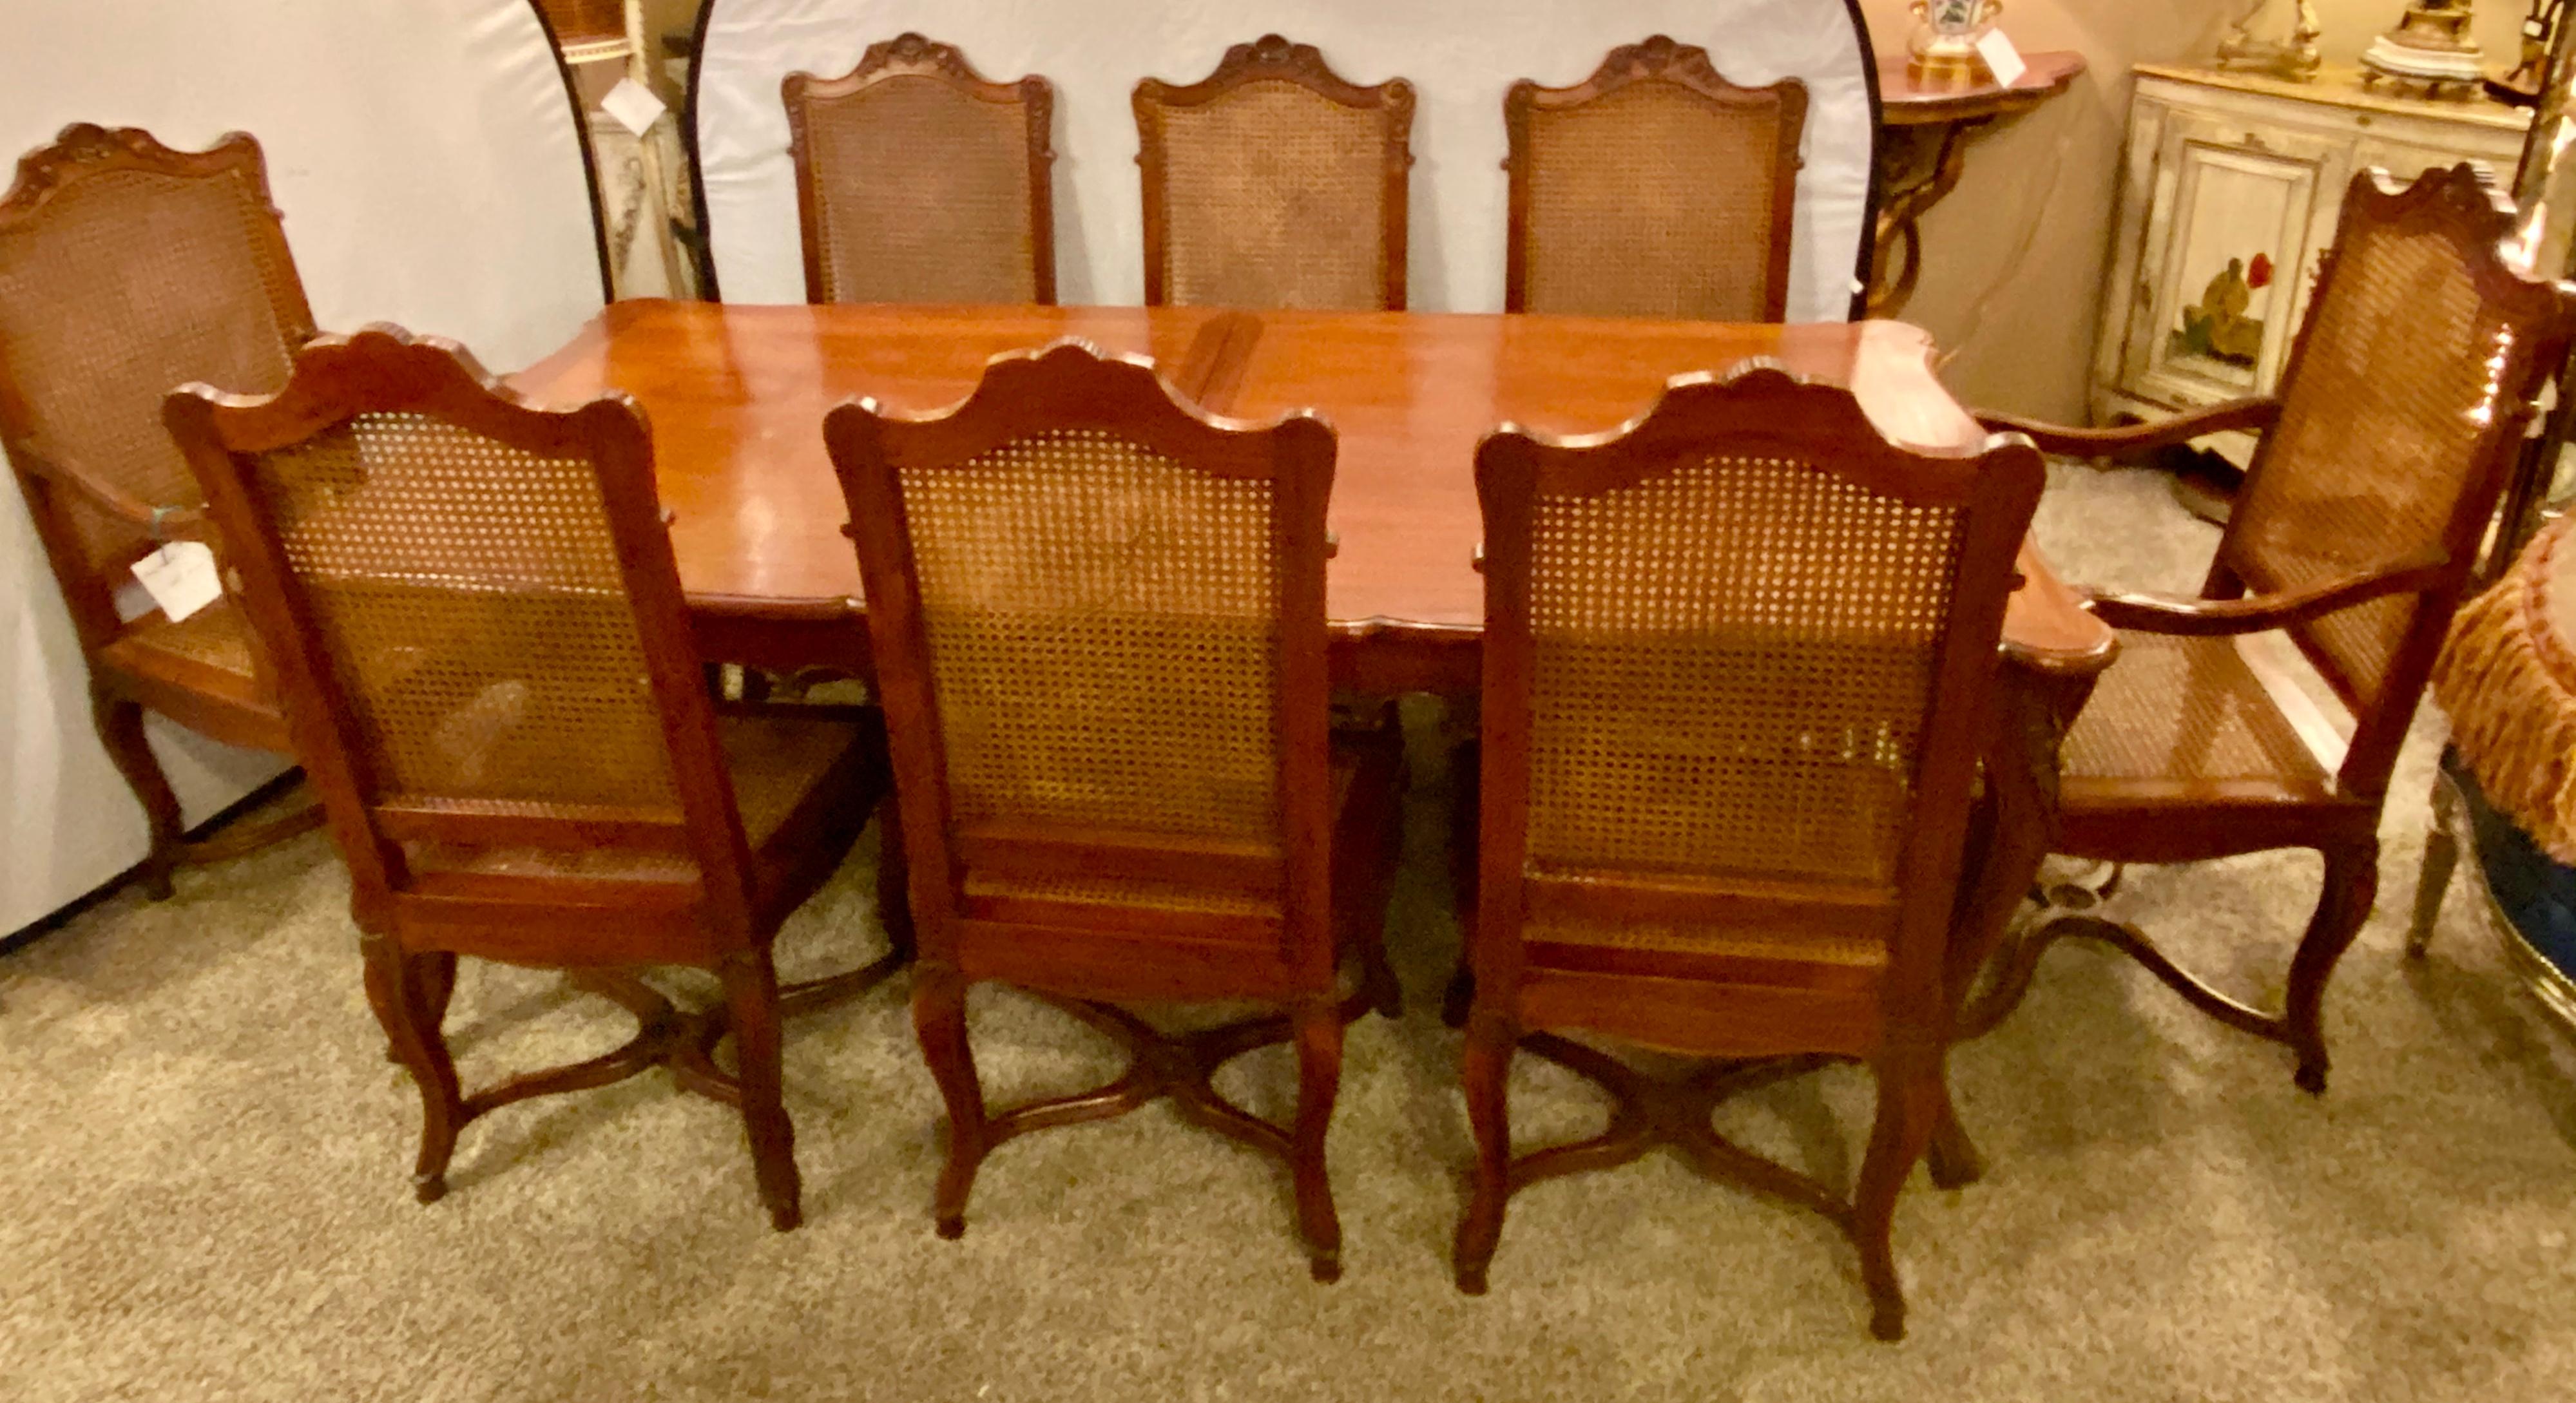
(2217, 327)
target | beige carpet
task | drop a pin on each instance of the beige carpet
(204, 1158)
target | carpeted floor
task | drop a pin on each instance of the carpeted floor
(204, 1158)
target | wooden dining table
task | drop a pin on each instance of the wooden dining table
(736, 396)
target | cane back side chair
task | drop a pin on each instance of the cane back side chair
(918, 181)
(127, 268)
(487, 665)
(1737, 671)
(1273, 182)
(2402, 409)
(1099, 625)
(1653, 188)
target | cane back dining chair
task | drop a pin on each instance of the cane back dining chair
(918, 181)
(1099, 625)
(2380, 465)
(126, 268)
(1653, 188)
(1737, 671)
(1275, 183)
(488, 670)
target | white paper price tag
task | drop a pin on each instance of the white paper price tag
(181, 578)
(2000, 55)
(633, 105)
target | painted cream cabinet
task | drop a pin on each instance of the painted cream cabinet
(2233, 186)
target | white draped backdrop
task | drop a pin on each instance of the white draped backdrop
(426, 159)
(1461, 55)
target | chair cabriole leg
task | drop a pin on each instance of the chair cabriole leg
(751, 1000)
(2350, 887)
(120, 729)
(1952, 1157)
(1319, 1080)
(1912, 1100)
(396, 991)
(1486, 1076)
(437, 990)
(894, 899)
(939, 1021)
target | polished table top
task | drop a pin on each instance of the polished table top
(736, 395)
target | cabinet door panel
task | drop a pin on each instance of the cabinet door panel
(2240, 217)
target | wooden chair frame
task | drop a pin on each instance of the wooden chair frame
(203, 699)
(1658, 59)
(1779, 1016)
(1070, 384)
(912, 55)
(415, 922)
(1272, 58)
(2344, 828)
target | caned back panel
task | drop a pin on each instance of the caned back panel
(1103, 634)
(1731, 669)
(123, 285)
(469, 600)
(1274, 195)
(2396, 382)
(921, 194)
(1652, 200)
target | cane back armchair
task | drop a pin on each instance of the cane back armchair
(1737, 671)
(127, 268)
(488, 670)
(2380, 465)
(918, 181)
(1099, 625)
(1272, 182)
(1653, 188)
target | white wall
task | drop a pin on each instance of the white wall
(425, 158)
(1461, 56)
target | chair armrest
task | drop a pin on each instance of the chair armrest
(2251, 415)
(2047, 627)
(2213, 618)
(116, 501)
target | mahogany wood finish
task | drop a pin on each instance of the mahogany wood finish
(2406, 397)
(1257, 233)
(468, 829)
(1032, 863)
(948, 222)
(125, 268)
(735, 392)
(1602, 908)
(1646, 211)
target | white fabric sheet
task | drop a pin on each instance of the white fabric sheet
(1461, 56)
(426, 159)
